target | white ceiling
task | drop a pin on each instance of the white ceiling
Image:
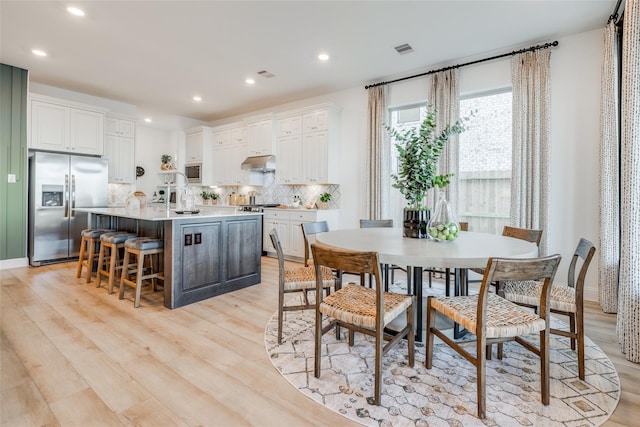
(158, 54)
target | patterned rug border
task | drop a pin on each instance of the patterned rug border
(446, 396)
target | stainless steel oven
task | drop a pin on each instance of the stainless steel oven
(193, 172)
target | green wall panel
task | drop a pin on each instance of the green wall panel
(13, 160)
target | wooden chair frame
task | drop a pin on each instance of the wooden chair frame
(584, 251)
(311, 228)
(366, 263)
(275, 240)
(501, 269)
(526, 234)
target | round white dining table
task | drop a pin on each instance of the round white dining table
(469, 250)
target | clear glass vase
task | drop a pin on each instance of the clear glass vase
(443, 225)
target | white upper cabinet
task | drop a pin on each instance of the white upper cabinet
(238, 134)
(49, 126)
(288, 164)
(57, 126)
(315, 121)
(230, 144)
(261, 137)
(288, 126)
(121, 155)
(199, 148)
(120, 127)
(312, 155)
(119, 149)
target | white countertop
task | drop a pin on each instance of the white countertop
(153, 213)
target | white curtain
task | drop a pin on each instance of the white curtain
(444, 94)
(609, 175)
(628, 326)
(378, 173)
(531, 142)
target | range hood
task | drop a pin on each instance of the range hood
(260, 163)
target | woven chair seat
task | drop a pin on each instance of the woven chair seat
(357, 305)
(563, 297)
(504, 318)
(297, 279)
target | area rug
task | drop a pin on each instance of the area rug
(446, 394)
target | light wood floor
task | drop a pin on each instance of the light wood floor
(71, 355)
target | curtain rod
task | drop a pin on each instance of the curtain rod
(614, 15)
(451, 67)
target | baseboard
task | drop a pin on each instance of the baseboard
(5, 264)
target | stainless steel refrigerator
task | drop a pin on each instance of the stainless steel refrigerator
(59, 183)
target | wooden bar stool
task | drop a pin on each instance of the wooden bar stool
(141, 247)
(109, 263)
(88, 245)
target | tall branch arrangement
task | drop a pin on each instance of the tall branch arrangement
(419, 151)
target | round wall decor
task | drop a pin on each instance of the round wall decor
(139, 171)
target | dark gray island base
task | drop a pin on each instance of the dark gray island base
(204, 255)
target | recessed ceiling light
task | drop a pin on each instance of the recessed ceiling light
(148, 119)
(323, 57)
(39, 52)
(249, 81)
(75, 11)
(197, 98)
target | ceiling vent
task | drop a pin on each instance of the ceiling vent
(403, 48)
(265, 74)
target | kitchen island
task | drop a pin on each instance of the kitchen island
(205, 254)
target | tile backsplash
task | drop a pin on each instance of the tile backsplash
(271, 192)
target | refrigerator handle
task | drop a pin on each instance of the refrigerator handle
(66, 196)
(73, 195)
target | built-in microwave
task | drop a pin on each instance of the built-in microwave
(193, 172)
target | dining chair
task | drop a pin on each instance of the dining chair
(300, 279)
(493, 319)
(526, 234)
(308, 231)
(566, 298)
(360, 309)
(389, 270)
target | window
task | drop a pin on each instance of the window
(484, 174)
(402, 119)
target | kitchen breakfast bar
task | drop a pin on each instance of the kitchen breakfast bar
(205, 254)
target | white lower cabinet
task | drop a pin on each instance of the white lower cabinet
(287, 223)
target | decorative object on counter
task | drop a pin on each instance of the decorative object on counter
(418, 153)
(136, 201)
(209, 195)
(167, 163)
(187, 199)
(204, 195)
(297, 202)
(324, 199)
(443, 225)
(214, 197)
(233, 199)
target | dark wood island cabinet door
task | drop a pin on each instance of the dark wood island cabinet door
(212, 257)
(201, 255)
